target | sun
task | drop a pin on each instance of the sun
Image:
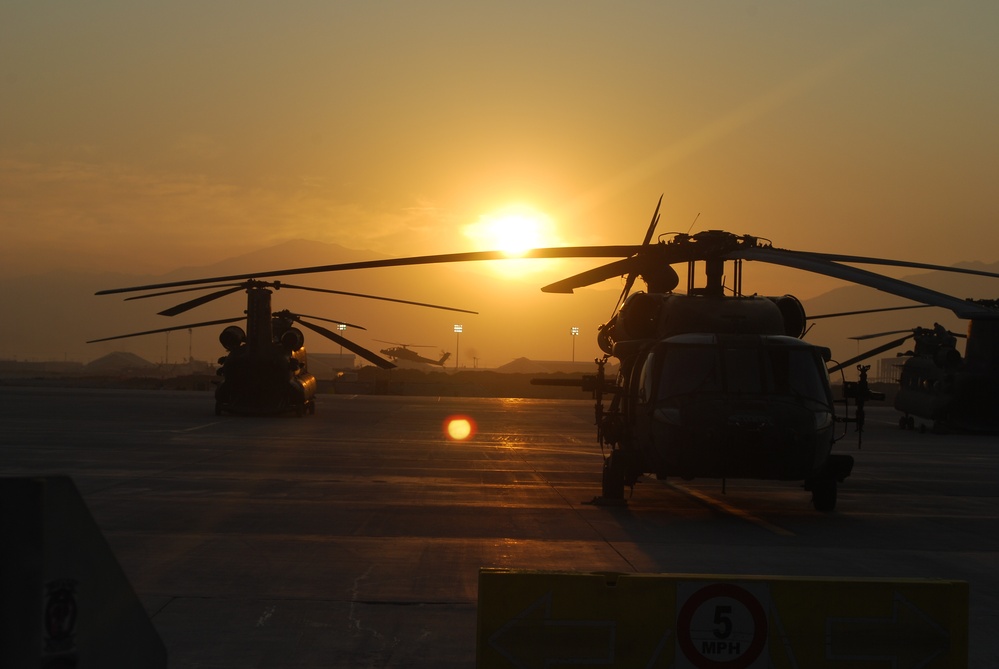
(513, 230)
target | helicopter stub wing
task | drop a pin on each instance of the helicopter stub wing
(819, 265)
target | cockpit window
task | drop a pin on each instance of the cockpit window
(744, 371)
(690, 369)
(781, 370)
(796, 372)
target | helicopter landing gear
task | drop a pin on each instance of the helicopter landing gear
(906, 423)
(612, 481)
(824, 494)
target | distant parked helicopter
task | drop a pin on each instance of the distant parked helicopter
(402, 352)
(937, 384)
(265, 369)
(713, 383)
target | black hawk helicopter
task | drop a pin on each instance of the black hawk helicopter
(713, 383)
(265, 369)
(937, 384)
(402, 352)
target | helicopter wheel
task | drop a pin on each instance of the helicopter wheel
(903, 423)
(312, 407)
(612, 481)
(824, 495)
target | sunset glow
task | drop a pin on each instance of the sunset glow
(513, 230)
(162, 139)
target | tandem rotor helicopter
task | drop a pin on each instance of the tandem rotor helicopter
(712, 383)
(265, 369)
(403, 352)
(937, 384)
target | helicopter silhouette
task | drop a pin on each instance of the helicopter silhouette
(937, 384)
(712, 383)
(265, 368)
(401, 352)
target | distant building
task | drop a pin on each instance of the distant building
(889, 370)
(325, 366)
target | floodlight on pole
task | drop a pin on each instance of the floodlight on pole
(574, 331)
(341, 327)
(457, 336)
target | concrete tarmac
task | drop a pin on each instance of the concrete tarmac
(354, 537)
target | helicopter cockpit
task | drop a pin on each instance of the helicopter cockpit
(709, 404)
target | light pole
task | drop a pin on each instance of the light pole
(457, 338)
(341, 327)
(575, 333)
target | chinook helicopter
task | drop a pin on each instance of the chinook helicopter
(937, 384)
(401, 352)
(265, 368)
(712, 383)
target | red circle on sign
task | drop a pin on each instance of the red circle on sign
(740, 595)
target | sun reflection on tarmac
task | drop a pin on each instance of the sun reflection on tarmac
(459, 428)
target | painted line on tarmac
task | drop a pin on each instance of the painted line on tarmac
(733, 510)
(197, 427)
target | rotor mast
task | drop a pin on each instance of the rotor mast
(259, 334)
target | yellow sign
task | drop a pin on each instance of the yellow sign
(529, 619)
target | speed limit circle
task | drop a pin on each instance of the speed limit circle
(721, 626)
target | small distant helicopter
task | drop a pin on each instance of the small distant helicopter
(937, 384)
(265, 369)
(401, 352)
(713, 383)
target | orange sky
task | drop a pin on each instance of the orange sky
(146, 137)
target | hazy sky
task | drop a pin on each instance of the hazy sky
(147, 136)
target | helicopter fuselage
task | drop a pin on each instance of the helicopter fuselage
(269, 381)
(719, 387)
(731, 406)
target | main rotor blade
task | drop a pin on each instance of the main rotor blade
(874, 351)
(866, 260)
(375, 297)
(592, 276)
(328, 320)
(406, 345)
(882, 334)
(912, 330)
(184, 290)
(198, 301)
(171, 329)
(285, 313)
(868, 311)
(961, 308)
(621, 251)
(346, 343)
(655, 221)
